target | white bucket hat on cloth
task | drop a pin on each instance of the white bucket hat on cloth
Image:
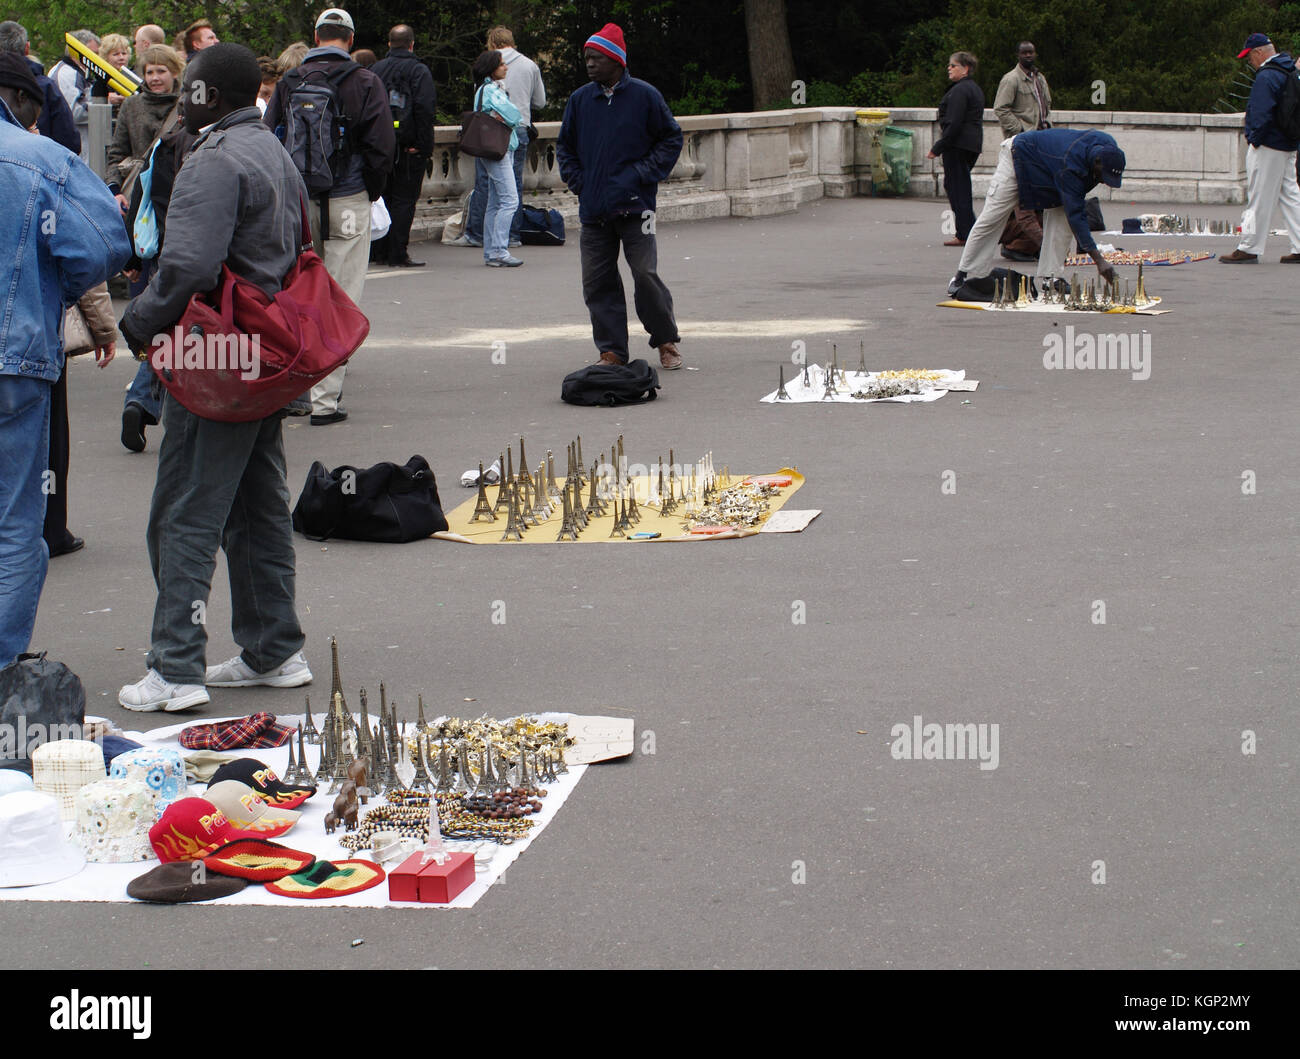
(33, 850)
(161, 769)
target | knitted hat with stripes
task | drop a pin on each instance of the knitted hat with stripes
(609, 41)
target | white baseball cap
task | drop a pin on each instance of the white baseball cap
(336, 16)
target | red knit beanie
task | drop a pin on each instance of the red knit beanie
(609, 41)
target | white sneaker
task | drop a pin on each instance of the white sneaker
(155, 693)
(292, 673)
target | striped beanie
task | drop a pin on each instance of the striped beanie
(609, 41)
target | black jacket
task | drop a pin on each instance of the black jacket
(961, 118)
(400, 68)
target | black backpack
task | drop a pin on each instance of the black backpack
(388, 503)
(400, 86)
(1286, 116)
(40, 702)
(317, 134)
(611, 384)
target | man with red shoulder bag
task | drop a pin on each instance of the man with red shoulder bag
(220, 484)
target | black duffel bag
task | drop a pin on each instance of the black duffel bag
(611, 384)
(40, 702)
(388, 503)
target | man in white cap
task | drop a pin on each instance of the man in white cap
(360, 169)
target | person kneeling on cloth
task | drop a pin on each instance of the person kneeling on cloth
(1050, 170)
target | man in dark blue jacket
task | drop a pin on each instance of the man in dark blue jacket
(56, 119)
(1050, 170)
(1271, 158)
(617, 141)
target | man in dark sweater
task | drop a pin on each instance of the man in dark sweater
(617, 142)
(410, 94)
(56, 119)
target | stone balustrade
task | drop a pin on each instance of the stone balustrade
(752, 165)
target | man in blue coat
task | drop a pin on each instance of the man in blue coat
(617, 141)
(62, 234)
(1270, 159)
(1050, 170)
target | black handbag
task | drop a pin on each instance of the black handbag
(40, 702)
(388, 503)
(482, 136)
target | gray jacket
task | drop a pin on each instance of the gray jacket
(523, 84)
(236, 201)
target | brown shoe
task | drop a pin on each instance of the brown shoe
(669, 358)
(954, 242)
(1239, 257)
(1290, 259)
(609, 357)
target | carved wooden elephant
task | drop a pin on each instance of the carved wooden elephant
(331, 822)
(350, 817)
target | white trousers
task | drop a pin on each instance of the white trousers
(346, 254)
(1000, 201)
(1270, 182)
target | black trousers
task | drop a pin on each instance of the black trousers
(56, 532)
(602, 286)
(957, 165)
(401, 194)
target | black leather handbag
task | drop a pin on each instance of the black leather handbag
(388, 503)
(482, 136)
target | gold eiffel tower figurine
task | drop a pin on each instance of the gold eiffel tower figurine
(482, 507)
(503, 486)
(552, 487)
(574, 486)
(336, 682)
(523, 463)
(620, 519)
(595, 502)
(525, 502)
(568, 530)
(541, 502)
(513, 531)
(578, 456)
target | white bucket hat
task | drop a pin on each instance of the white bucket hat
(33, 850)
(65, 766)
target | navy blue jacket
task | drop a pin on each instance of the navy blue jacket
(1264, 94)
(614, 151)
(56, 119)
(1054, 168)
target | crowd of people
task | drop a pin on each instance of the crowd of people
(253, 158)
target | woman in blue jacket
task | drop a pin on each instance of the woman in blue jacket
(489, 70)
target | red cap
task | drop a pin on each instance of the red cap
(191, 829)
(609, 40)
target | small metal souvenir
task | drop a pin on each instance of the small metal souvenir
(310, 732)
(552, 486)
(568, 529)
(513, 531)
(523, 464)
(595, 502)
(482, 506)
(781, 395)
(620, 518)
(502, 504)
(541, 502)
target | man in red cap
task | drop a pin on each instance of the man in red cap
(617, 141)
(1271, 158)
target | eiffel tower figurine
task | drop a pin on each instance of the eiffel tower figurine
(781, 395)
(574, 488)
(504, 484)
(862, 356)
(522, 778)
(580, 467)
(830, 390)
(541, 502)
(364, 746)
(486, 782)
(568, 528)
(667, 502)
(524, 504)
(482, 507)
(464, 774)
(291, 770)
(595, 502)
(336, 682)
(633, 512)
(340, 756)
(421, 725)
(304, 770)
(620, 518)
(444, 770)
(524, 476)
(552, 486)
(423, 774)
(310, 733)
(513, 531)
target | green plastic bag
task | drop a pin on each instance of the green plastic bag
(892, 172)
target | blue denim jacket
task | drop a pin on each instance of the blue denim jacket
(61, 233)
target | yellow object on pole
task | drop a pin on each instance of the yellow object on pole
(123, 82)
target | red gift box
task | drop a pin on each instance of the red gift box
(431, 883)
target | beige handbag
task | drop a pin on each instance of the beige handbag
(77, 338)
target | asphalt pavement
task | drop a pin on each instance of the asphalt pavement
(955, 574)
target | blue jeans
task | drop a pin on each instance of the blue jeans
(24, 455)
(502, 205)
(478, 201)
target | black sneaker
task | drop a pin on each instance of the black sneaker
(336, 416)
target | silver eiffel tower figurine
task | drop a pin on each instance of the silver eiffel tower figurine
(309, 730)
